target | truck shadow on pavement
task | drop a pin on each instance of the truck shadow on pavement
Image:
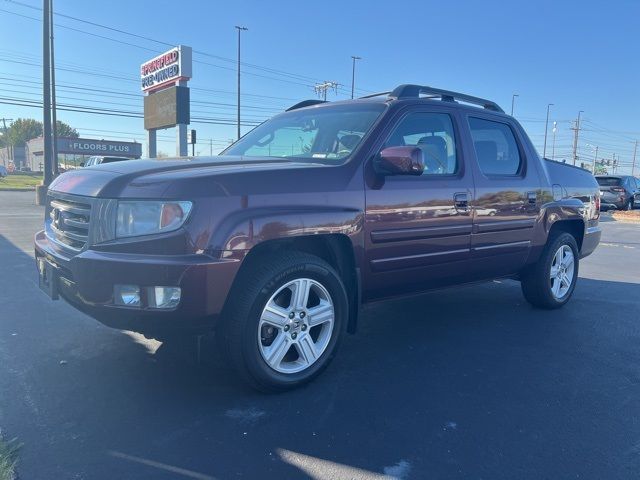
(450, 384)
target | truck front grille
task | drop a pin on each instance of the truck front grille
(69, 220)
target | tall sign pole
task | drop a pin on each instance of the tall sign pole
(633, 166)
(182, 146)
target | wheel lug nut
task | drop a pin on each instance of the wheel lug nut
(302, 314)
(286, 328)
(291, 314)
(294, 335)
(304, 327)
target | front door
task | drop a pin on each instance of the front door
(418, 228)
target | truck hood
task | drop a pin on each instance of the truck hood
(155, 178)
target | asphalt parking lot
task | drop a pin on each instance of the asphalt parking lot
(470, 383)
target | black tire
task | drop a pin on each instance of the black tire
(629, 205)
(238, 333)
(536, 283)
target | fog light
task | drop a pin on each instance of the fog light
(164, 297)
(128, 295)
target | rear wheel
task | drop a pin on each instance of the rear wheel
(550, 282)
(629, 205)
(284, 322)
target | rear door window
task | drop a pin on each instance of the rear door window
(495, 146)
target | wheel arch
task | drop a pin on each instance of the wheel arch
(335, 249)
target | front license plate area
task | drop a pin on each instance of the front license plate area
(47, 278)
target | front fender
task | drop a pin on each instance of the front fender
(248, 228)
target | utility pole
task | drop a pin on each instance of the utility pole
(546, 127)
(553, 148)
(513, 101)
(595, 160)
(614, 163)
(54, 117)
(575, 138)
(240, 30)
(321, 88)
(353, 73)
(46, 102)
(633, 165)
(211, 147)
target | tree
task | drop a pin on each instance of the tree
(24, 129)
(65, 130)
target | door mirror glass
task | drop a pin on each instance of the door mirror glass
(400, 161)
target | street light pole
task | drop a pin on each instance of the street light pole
(546, 128)
(553, 148)
(513, 101)
(353, 73)
(633, 166)
(240, 29)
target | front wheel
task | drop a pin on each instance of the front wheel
(551, 281)
(284, 322)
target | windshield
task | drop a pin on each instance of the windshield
(326, 134)
(608, 181)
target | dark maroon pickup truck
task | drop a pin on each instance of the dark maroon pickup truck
(276, 244)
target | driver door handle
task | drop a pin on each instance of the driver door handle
(461, 202)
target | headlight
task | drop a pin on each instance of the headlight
(145, 218)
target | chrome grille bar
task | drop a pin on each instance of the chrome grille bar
(70, 219)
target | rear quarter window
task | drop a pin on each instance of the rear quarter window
(495, 146)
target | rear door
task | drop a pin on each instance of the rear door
(507, 196)
(417, 229)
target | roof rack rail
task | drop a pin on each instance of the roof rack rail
(414, 91)
(305, 103)
(372, 95)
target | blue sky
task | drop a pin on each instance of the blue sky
(577, 55)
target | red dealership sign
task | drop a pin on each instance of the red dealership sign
(166, 69)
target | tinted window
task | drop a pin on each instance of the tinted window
(496, 147)
(609, 181)
(433, 134)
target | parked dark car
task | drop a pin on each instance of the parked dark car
(277, 243)
(98, 159)
(619, 191)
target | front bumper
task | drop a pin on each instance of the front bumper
(87, 281)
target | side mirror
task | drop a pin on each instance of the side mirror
(400, 161)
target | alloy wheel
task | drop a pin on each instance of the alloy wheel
(296, 325)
